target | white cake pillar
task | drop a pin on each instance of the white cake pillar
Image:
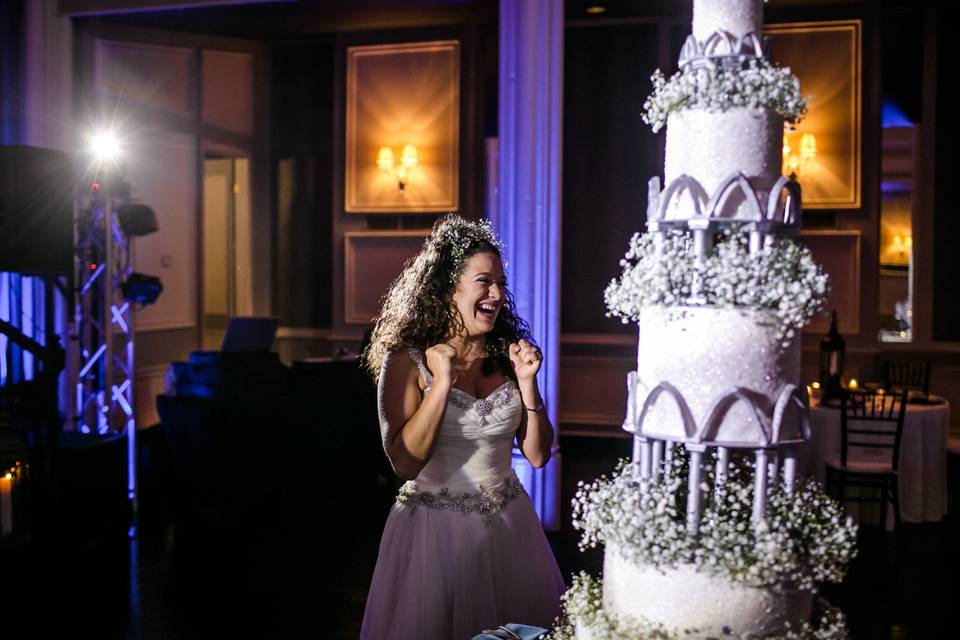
(657, 458)
(789, 469)
(529, 204)
(694, 495)
(759, 485)
(644, 457)
(723, 465)
(773, 466)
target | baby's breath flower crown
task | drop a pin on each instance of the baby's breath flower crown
(805, 537)
(782, 277)
(755, 84)
(458, 236)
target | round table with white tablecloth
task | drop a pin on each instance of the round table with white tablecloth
(923, 459)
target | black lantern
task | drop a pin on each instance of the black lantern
(832, 348)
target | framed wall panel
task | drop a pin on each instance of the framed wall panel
(839, 253)
(403, 94)
(132, 74)
(227, 95)
(831, 80)
(593, 390)
(372, 259)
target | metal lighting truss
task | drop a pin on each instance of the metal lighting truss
(100, 369)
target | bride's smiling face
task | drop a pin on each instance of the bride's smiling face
(480, 293)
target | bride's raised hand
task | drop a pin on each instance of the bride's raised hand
(440, 359)
(526, 359)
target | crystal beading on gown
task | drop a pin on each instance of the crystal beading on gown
(462, 549)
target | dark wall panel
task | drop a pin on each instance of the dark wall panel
(302, 136)
(946, 222)
(608, 156)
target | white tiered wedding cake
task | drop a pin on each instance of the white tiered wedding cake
(707, 531)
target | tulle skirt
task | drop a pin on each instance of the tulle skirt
(442, 575)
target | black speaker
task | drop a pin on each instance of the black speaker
(37, 188)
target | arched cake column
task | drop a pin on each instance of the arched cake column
(529, 207)
(723, 466)
(789, 468)
(654, 215)
(759, 485)
(694, 494)
(644, 452)
(702, 232)
(656, 458)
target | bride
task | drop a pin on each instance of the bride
(462, 549)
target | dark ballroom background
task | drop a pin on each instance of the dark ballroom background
(262, 486)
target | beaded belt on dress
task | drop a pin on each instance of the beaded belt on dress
(486, 502)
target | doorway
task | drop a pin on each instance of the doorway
(227, 286)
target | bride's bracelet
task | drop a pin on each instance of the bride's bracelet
(536, 409)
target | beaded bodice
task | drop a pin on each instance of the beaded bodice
(474, 446)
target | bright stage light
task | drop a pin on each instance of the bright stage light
(104, 145)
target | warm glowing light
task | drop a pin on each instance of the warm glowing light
(853, 385)
(408, 158)
(596, 10)
(385, 158)
(797, 163)
(808, 147)
(104, 145)
(815, 384)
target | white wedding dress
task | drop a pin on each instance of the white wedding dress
(462, 549)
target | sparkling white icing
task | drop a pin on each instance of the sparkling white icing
(709, 146)
(683, 598)
(706, 353)
(734, 16)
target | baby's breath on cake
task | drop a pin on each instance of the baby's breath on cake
(758, 85)
(805, 538)
(782, 277)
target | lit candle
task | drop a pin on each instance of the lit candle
(6, 505)
(852, 385)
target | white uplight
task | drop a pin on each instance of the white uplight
(104, 145)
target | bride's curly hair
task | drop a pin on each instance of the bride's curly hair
(418, 311)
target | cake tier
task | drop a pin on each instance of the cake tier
(684, 598)
(736, 17)
(712, 146)
(723, 376)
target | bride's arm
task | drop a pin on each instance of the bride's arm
(409, 424)
(535, 437)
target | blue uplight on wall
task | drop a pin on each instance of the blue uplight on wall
(891, 115)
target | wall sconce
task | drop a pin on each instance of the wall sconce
(796, 163)
(902, 245)
(408, 160)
